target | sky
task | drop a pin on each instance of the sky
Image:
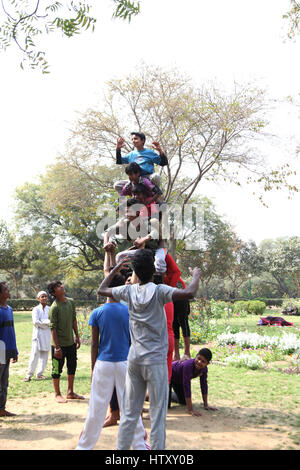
(211, 40)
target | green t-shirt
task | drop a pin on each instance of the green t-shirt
(62, 315)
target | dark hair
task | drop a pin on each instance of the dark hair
(132, 168)
(205, 352)
(51, 287)
(141, 135)
(131, 202)
(117, 280)
(140, 188)
(2, 284)
(143, 265)
(157, 279)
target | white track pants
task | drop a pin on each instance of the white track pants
(106, 376)
(38, 359)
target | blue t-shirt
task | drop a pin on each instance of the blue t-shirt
(7, 332)
(112, 319)
(144, 158)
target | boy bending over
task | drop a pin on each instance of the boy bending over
(182, 374)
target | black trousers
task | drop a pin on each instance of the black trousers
(69, 353)
(178, 389)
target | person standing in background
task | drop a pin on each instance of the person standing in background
(41, 338)
(63, 323)
(10, 351)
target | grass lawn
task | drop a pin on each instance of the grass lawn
(264, 399)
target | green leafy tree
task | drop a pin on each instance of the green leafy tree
(25, 22)
(11, 258)
(293, 18)
(282, 261)
(246, 261)
(216, 257)
(63, 205)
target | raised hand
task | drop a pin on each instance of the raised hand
(156, 146)
(120, 142)
(195, 272)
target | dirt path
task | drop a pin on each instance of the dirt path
(43, 424)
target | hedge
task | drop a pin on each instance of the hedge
(254, 307)
(28, 304)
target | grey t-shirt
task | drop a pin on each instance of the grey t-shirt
(147, 319)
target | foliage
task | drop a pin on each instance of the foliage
(205, 129)
(288, 342)
(251, 361)
(254, 307)
(221, 353)
(28, 304)
(25, 24)
(64, 204)
(291, 304)
(282, 261)
(293, 17)
(216, 258)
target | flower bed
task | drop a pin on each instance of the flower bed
(287, 343)
(251, 361)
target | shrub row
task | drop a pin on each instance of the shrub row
(28, 304)
(254, 307)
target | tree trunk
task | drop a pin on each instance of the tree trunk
(172, 247)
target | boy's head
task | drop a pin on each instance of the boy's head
(117, 280)
(143, 265)
(56, 289)
(4, 292)
(42, 297)
(133, 170)
(140, 193)
(138, 140)
(131, 212)
(203, 358)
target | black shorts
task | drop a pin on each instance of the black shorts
(69, 353)
(181, 320)
(178, 389)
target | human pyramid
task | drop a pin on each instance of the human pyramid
(132, 351)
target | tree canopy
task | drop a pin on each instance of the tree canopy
(26, 21)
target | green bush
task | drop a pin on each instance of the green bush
(253, 307)
(22, 304)
(291, 306)
(220, 308)
(28, 304)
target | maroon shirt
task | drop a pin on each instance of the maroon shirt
(184, 372)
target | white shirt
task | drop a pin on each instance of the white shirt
(41, 329)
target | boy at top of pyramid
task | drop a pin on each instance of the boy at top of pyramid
(146, 158)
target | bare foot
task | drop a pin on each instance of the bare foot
(4, 413)
(60, 399)
(74, 396)
(27, 379)
(110, 421)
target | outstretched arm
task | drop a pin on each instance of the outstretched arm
(191, 290)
